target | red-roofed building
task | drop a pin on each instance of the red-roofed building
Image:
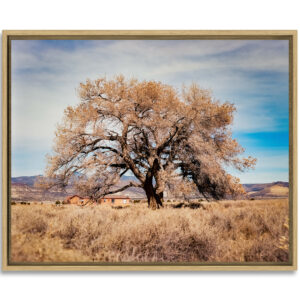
(75, 199)
(115, 200)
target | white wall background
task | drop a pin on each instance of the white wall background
(154, 14)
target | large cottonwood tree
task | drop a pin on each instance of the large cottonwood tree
(162, 136)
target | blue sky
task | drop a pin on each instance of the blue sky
(252, 74)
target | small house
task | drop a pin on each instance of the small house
(115, 200)
(75, 199)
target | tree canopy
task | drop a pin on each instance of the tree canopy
(163, 136)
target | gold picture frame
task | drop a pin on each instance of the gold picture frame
(9, 35)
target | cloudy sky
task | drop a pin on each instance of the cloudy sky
(252, 74)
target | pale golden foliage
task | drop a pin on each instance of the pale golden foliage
(152, 130)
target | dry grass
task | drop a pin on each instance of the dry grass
(228, 231)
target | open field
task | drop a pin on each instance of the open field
(225, 231)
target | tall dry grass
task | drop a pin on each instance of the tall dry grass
(227, 231)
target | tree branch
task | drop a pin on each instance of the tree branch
(131, 184)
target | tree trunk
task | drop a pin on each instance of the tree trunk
(154, 199)
(159, 198)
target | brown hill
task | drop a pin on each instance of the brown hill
(22, 189)
(268, 190)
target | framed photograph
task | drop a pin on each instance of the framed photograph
(149, 150)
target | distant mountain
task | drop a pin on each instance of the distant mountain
(268, 190)
(29, 180)
(25, 180)
(23, 187)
